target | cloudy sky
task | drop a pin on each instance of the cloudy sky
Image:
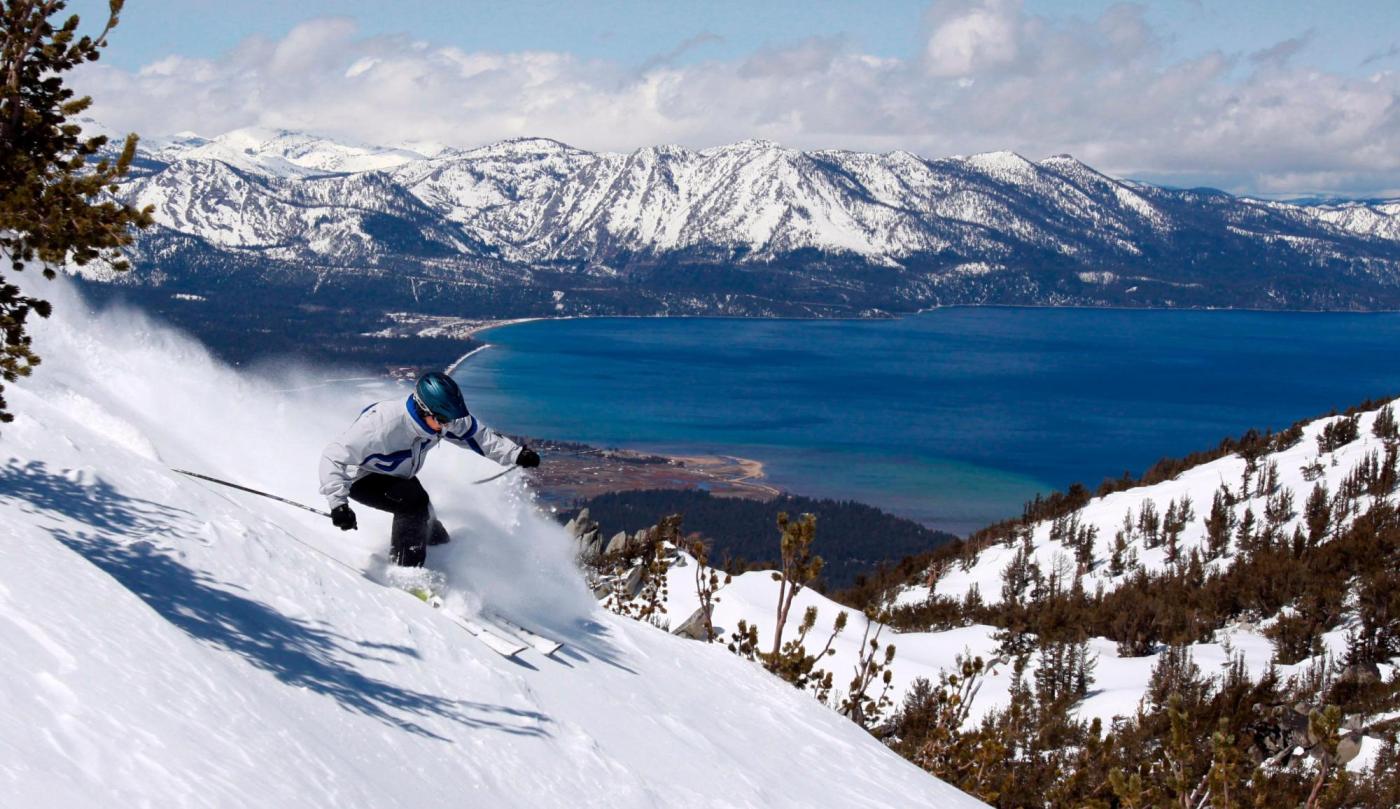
(1278, 98)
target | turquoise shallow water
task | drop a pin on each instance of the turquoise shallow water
(954, 417)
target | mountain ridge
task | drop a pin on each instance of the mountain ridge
(749, 228)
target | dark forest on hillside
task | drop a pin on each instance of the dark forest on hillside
(853, 538)
(241, 330)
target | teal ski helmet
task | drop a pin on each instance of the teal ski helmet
(438, 394)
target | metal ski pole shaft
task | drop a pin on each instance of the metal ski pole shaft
(252, 491)
(304, 544)
(503, 473)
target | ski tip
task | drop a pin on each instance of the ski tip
(544, 645)
(495, 642)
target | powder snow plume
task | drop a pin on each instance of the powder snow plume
(167, 641)
(162, 396)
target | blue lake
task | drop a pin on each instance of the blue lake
(954, 417)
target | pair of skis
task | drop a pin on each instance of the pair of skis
(505, 637)
(499, 634)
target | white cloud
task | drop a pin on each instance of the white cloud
(976, 38)
(991, 76)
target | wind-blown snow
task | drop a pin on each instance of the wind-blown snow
(168, 642)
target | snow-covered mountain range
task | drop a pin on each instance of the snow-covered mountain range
(750, 227)
(168, 642)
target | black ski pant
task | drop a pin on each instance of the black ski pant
(406, 499)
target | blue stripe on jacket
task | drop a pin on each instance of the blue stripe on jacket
(387, 462)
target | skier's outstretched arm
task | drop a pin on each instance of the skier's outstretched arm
(470, 433)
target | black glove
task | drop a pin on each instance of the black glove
(527, 458)
(344, 518)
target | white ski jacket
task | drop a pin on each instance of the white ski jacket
(389, 439)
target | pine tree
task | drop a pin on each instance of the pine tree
(707, 580)
(1117, 561)
(1227, 771)
(1172, 525)
(1339, 433)
(1251, 465)
(1389, 476)
(1278, 511)
(54, 203)
(1021, 579)
(1323, 726)
(1245, 535)
(1179, 515)
(1149, 524)
(1318, 514)
(1175, 675)
(800, 567)
(1064, 673)
(1385, 427)
(1268, 481)
(1220, 524)
(858, 704)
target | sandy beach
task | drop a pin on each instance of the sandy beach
(730, 469)
(574, 471)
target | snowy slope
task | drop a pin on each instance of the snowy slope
(1120, 682)
(282, 153)
(1379, 219)
(1106, 514)
(169, 643)
(752, 597)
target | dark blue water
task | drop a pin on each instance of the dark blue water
(954, 417)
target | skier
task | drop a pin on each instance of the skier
(376, 461)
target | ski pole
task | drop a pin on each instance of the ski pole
(502, 473)
(294, 503)
(292, 537)
(252, 491)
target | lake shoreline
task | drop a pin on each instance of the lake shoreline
(954, 418)
(572, 471)
(885, 315)
(579, 470)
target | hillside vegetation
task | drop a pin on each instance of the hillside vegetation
(1224, 631)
